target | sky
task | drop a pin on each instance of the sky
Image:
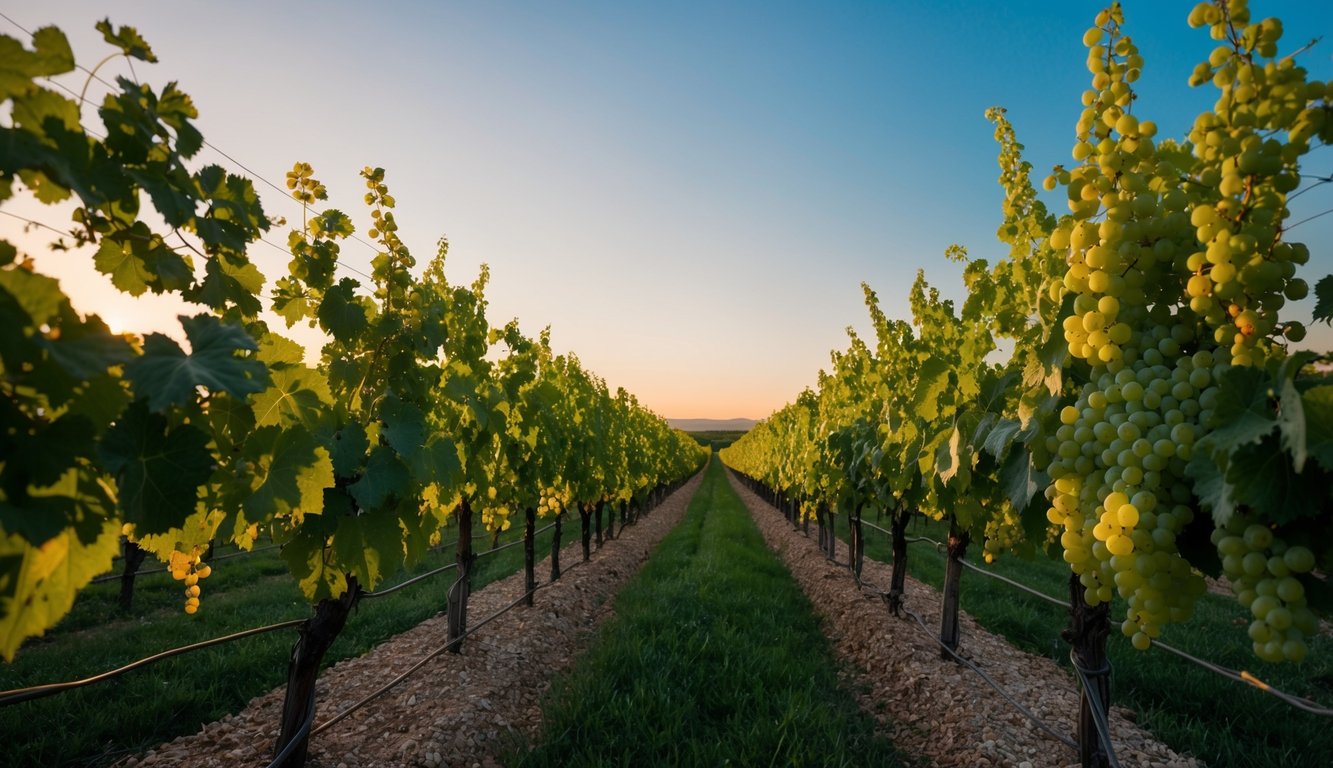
(690, 194)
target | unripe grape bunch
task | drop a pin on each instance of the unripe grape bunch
(1178, 267)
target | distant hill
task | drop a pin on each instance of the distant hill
(712, 425)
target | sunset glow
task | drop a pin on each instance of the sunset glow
(689, 196)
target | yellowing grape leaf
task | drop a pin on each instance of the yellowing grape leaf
(38, 584)
(19, 67)
(292, 470)
(296, 394)
(310, 562)
(369, 546)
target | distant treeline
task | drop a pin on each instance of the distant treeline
(717, 439)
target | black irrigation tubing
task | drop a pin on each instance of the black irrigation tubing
(409, 582)
(1016, 584)
(1245, 677)
(150, 571)
(1029, 714)
(939, 545)
(1241, 676)
(394, 682)
(502, 548)
(299, 737)
(1099, 717)
(39, 691)
(869, 524)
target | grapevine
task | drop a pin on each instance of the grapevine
(1151, 404)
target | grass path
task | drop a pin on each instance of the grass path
(714, 657)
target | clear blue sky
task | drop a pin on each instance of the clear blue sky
(689, 193)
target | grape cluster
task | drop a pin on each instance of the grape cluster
(1119, 490)
(1178, 268)
(1120, 451)
(1242, 272)
(189, 568)
(1263, 572)
(553, 501)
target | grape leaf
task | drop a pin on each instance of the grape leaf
(306, 559)
(1242, 409)
(385, 477)
(49, 449)
(369, 546)
(1291, 422)
(101, 400)
(38, 583)
(137, 262)
(38, 297)
(197, 530)
(341, 314)
(166, 376)
(128, 40)
(1210, 484)
(1001, 437)
(19, 67)
(293, 471)
(158, 471)
(1318, 407)
(296, 394)
(404, 427)
(932, 382)
(438, 463)
(292, 301)
(1020, 480)
(1262, 478)
(227, 284)
(349, 450)
(32, 113)
(1323, 305)
(86, 349)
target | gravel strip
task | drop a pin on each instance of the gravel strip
(940, 712)
(458, 710)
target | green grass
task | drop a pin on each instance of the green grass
(1193, 711)
(96, 725)
(714, 657)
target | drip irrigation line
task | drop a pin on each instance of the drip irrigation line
(1249, 679)
(501, 548)
(394, 682)
(39, 691)
(147, 572)
(1016, 584)
(408, 583)
(939, 545)
(1241, 676)
(299, 737)
(1029, 714)
(1099, 717)
(869, 524)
